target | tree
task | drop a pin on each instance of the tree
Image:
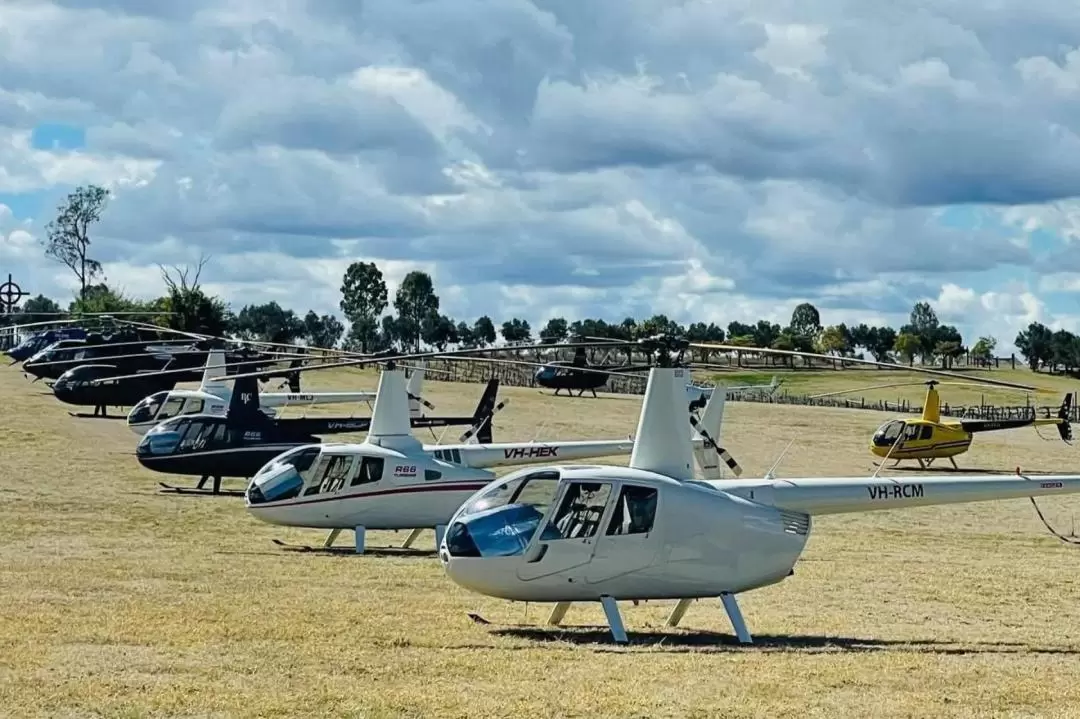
(834, 340)
(363, 299)
(948, 344)
(765, 333)
(1035, 345)
(556, 330)
(908, 345)
(882, 341)
(415, 301)
(192, 309)
(516, 330)
(805, 324)
(67, 238)
(269, 323)
(1065, 350)
(924, 324)
(322, 331)
(483, 331)
(439, 331)
(466, 336)
(983, 350)
(39, 309)
(101, 298)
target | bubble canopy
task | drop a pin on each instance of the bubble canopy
(501, 519)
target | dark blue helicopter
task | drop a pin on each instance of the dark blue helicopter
(39, 341)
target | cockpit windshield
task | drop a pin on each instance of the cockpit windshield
(284, 476)
(502, 520)
(146, 408)
(888, 433)
(185, 434)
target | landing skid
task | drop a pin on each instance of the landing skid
(923, 464)
(618, 629)
(344, 550)
(84, 415)
(215, 492)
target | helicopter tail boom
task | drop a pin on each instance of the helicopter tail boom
(850, 494)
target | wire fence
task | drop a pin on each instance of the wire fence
(517, 376)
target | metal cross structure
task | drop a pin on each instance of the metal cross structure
(10, 294)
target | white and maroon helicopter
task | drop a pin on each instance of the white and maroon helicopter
(393, 481)
(215, 391)
(649, 531)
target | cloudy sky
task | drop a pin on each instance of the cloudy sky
(711, 160)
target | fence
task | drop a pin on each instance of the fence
(518, 376)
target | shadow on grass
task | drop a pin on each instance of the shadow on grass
(698, 641)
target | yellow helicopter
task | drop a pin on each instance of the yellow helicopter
(929, 437)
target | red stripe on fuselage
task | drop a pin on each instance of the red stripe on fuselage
(446, 487)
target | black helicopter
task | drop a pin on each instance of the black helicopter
(100, 385)
(580, 374)
(128, 348)
(245, 439)
(103, 385)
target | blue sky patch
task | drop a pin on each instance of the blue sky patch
(57, 136)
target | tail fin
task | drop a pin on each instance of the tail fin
(215, 367)
(414, 388)
(485, 409)
(1063, 427)
(244, 403)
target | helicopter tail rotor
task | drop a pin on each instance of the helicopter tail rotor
(1064, 428)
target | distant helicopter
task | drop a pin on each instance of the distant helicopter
(579, 374)
(650, 531)
(245, 439)
(930, 437)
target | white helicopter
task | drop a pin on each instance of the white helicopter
(572, 533)
(213, 395)
(392, 481)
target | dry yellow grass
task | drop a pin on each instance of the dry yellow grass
(119, 601)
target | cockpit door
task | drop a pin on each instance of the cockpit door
(630, 538)
(566, 539)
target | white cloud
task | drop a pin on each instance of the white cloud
(711, 161)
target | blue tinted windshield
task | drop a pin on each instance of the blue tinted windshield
(502, 532)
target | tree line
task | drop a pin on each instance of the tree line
(417, 319)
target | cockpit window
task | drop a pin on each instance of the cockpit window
(525, 488)
(171, 408)
(371, 470)
(888, 433)
(635, 512)
(581, 509)
(336, 472)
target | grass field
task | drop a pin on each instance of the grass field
(122, 602)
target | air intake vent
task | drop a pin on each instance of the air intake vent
(795, 522)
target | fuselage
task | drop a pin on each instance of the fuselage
(900, 439)
(547, 544)
(156, 408)
(384, 488)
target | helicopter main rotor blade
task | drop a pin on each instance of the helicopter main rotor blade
(911, 384)
(873, 363)
(526, 363)
(196, 368)
(131, 355)
(390, 357)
